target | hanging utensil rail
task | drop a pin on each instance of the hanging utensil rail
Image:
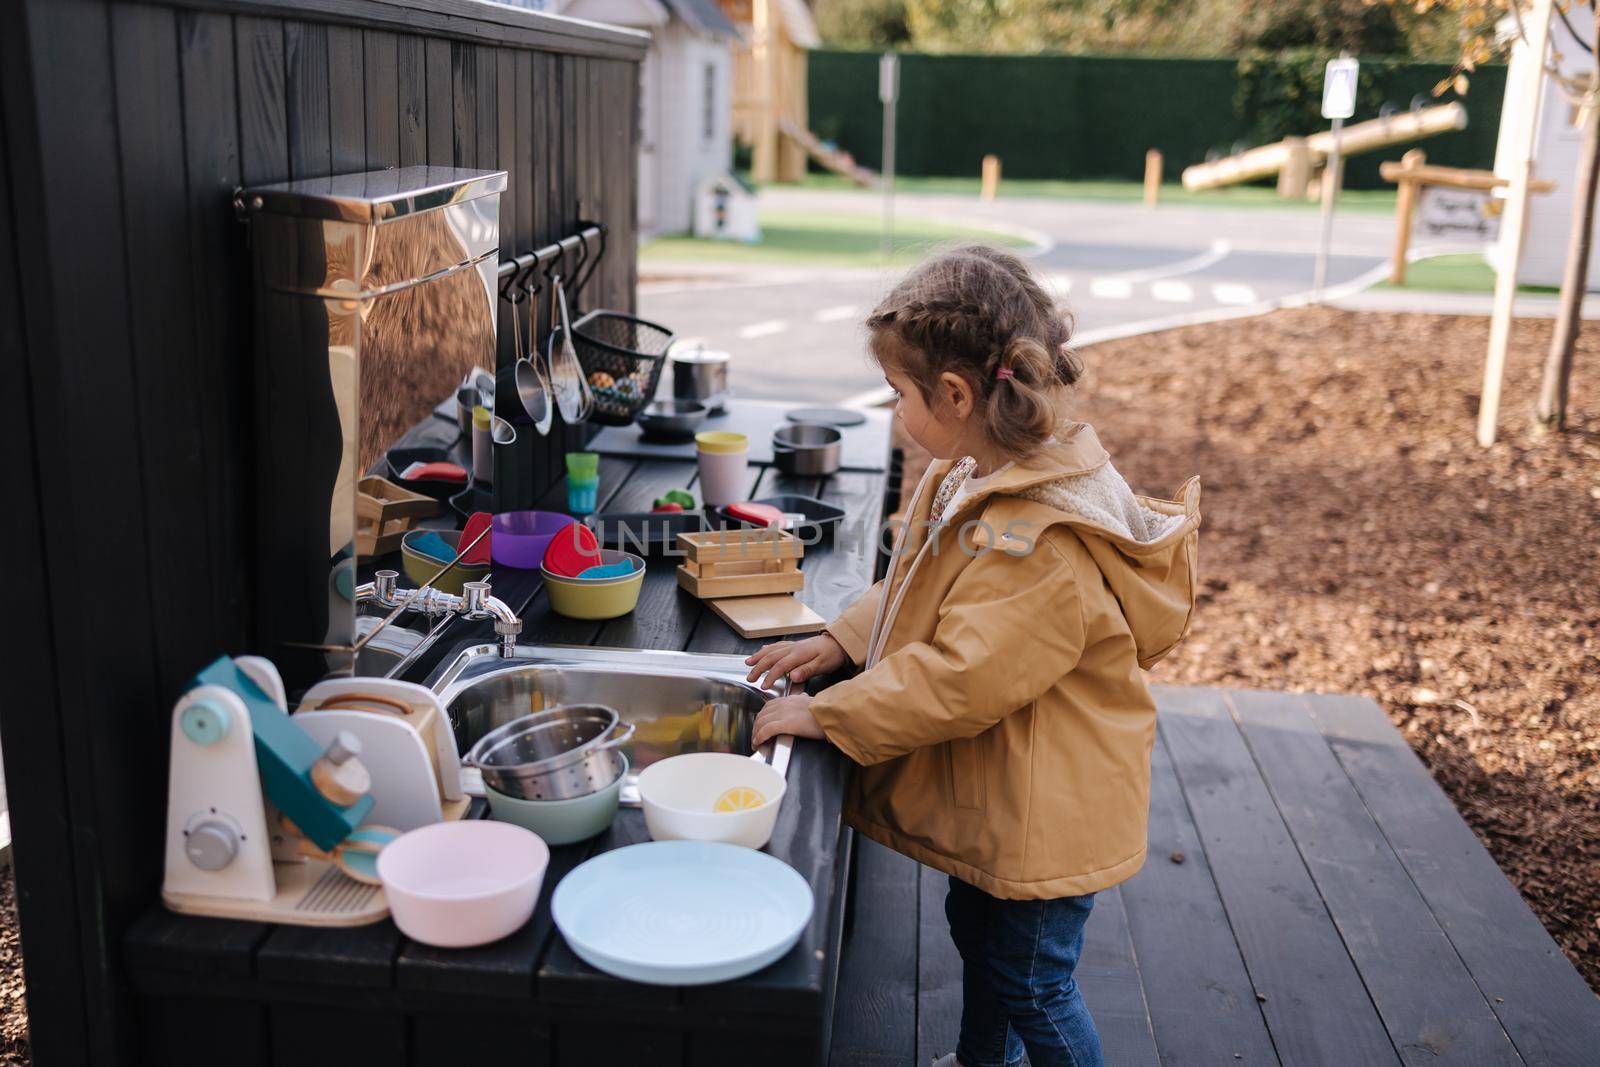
(520, 275)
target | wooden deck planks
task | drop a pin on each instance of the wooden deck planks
(875, 1023)
(1108, 974)
(1321, 866)
(1430, 1005)
(1316, 1006)
(1551, 1015)
(1203, 1009)
(938, 971)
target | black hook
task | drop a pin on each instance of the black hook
(584, 275)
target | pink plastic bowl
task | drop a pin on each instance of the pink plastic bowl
(456, 884)
(520, 537)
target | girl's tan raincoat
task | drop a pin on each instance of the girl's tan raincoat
(1003, 728)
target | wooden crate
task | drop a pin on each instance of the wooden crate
(384, 514)
(710, 546)
(741, 577)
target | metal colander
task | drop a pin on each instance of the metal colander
(556, 754)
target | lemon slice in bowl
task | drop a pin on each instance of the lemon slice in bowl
(739, 798)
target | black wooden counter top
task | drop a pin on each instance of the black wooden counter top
(254, 993)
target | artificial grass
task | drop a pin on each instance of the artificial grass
(831, 239)
(1373, 200)
(1462, 272)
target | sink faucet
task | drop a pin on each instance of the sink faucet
(474, 603)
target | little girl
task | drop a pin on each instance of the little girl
(1001, 721)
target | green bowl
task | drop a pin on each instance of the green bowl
(604, 598)
(560, 822)
(420, 568)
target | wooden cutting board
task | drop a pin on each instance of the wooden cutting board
(767, 616)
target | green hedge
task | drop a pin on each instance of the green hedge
(1093, 117)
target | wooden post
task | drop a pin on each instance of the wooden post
(1296, 172)
(1514, 227)
(1405, 206)
(763, 62)
(1152, 176)
(991, 177)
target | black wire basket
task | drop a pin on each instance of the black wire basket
(622, 356)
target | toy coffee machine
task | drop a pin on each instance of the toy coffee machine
(279, 818)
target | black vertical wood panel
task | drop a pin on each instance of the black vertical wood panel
(150, 135)
(464, 96)
(411, 64)
(263, 121)
(487, 120)
(33, 728)
(84, 362)
(305, 54)
(440, 102)
(382, 99)
(511, 241)
(216, 285)
(347, 117)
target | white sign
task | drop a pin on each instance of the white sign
(888, 77)
(1339, 88)
(1446, 212)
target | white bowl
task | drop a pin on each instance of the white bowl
(678, 795)
(456, 884)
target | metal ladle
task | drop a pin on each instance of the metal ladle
(533, 385)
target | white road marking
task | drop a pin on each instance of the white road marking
(1061, 283)
(837, 313)
(1215, 254)
(1173, 292)
(1111, 288)
(763, 329)
(1233, 293)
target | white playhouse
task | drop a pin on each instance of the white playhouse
(1556, 149)
(685, 100)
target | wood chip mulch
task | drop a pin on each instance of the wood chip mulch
(13, 993)
(1357, 539)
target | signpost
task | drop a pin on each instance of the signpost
(888, 93)
(1338, 104)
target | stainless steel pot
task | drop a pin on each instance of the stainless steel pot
(701, 375)
(807, 448)
(556, 754)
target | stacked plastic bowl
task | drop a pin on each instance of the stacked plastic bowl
(584, 581)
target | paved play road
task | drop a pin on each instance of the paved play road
(795, 333)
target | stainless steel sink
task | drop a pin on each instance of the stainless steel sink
(677, 701)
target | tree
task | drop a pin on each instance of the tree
(1487, 29)
(875, 24)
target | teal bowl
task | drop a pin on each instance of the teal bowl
(560, 822)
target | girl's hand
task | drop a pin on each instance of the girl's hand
(798, 660)
(786, 715)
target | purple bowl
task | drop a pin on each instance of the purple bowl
(520, 537)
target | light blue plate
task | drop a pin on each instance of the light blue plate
(682, 912)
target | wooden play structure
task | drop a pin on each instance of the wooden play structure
(1412, 174)
(769, 92)
(1306, 155)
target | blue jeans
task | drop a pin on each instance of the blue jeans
(1018, 957)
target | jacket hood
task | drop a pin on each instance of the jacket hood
(1144, 546)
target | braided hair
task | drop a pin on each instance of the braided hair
(978, 311)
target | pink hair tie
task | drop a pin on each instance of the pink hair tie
(1003, 373)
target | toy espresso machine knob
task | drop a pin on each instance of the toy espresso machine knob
(339, 774)
(212, 845)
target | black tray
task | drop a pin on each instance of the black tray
(473, 498)
(821, 516)
(401, 458)
(649, 531)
